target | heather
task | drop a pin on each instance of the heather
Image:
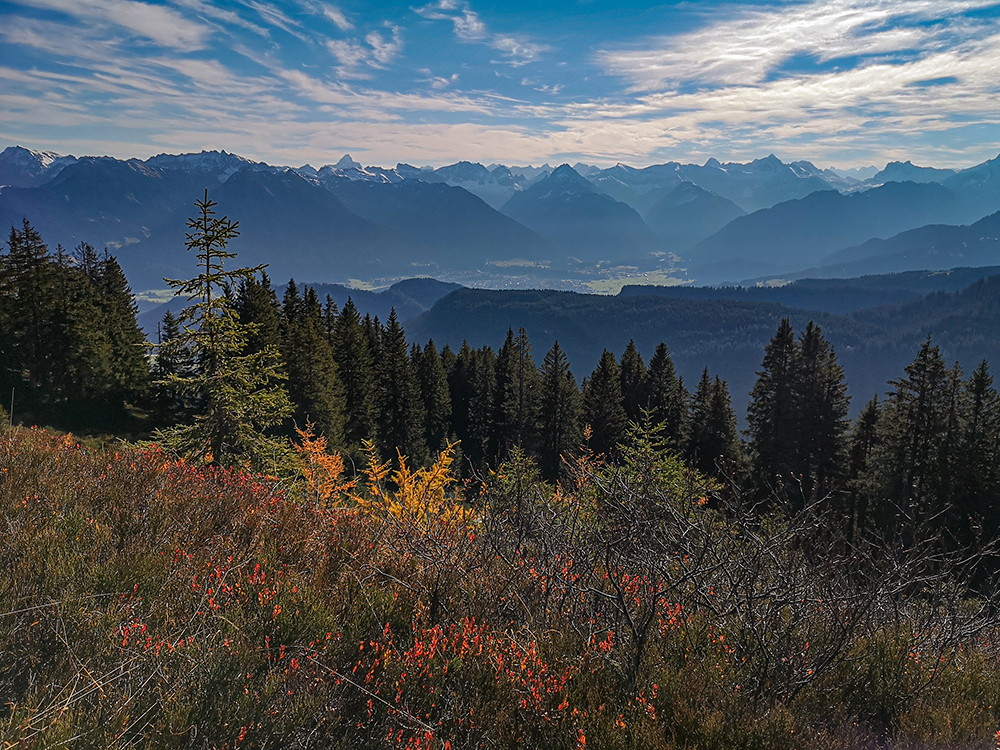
(150, 602)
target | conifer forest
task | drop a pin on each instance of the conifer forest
(282, 524)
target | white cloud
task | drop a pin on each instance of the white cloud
(469, 27)
(162, 25)
(385, 50)
(749, 44)
(349, 54)
(211, 12)
(336, 15)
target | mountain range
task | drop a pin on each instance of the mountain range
(481, 225)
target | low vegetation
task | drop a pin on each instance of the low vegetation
(150, 603)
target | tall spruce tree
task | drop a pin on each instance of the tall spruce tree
(313, 385)
(400, 419)
(823, 405)
(602, 406)
(978, 480)
(516, 400)
(915, 457)
(560, 431)
(257, 307)
(635, 397)
(353, 354)
(436, 397)
(240, 393)
(714, 442)
(773, 417)
(127, 344)
(668, 398)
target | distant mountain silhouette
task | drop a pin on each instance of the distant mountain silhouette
(797, 234)
(689, 214)
(906, 171)
(452, 228)
(579, 219)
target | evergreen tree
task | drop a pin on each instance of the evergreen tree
(714, 439)
(978, 481)
(516, 400)
(480, 409)
(436, 397)
(127, 344)
(400, 423)
(914, 459)
(633, 383)
(239, 392)
(602, 406)
(822, 402)
(773, 417)
(560, 433)
(173, 359)
(30, 292)
(353, 355)
(257, 307)
(863, 441)
(313, 385)
(668, 398)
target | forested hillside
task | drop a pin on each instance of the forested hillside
(329, 528)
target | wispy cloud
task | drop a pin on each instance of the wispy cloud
(336, 16)
(470, 28)
(753, 43)
(157, 23)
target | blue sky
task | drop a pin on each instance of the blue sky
(839, 82)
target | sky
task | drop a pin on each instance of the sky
(838, 82)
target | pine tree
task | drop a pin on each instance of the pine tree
(714, 439)
(436, 398)
(257, 306)
(400, 420)
(978, 481)
(516, 399)
(913, 458)
(353, 355)
(823, 405)
(313, 385)
(773, 417)
(602, 406)
(127, 344)
(633, 383)
(560, 433)
(862, 445)
(668, 398)
(481, 374)
(240, 393)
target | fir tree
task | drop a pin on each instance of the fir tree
(560, 433)
(602, 406)
(240, 393)
(436, 397)
(516, 399)
(313, 385)
(257, 306)
(913, 458)
(667, 398)
(173, 359)
(400, 419)
(127, 343)
(714, 439)
(773, 418)
(633, 383)
(353, 355)
(822, 402)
